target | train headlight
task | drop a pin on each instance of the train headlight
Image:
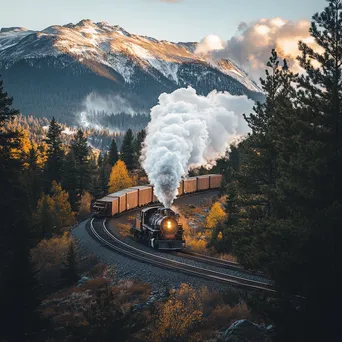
(169, 226)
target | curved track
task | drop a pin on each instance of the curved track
(102, 234)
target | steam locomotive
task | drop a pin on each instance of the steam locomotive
(159, 227)
(156, 225)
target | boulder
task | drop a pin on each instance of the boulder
(244, 330)
(82, 281)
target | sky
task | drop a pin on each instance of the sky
(173, 20)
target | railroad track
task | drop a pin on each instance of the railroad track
(217, 262)
(102, 234)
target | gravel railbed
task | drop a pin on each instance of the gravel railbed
(127, 268)
(131, 241)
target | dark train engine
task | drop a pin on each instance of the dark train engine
(159, 227)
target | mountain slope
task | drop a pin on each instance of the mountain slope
(51, 72)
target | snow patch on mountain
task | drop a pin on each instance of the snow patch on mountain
(168, 69)
(121, 65)
(113, 47)
(11, 36)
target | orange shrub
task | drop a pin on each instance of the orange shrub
(124, 229)
(223, 314)
(95, 284)
(216, 215)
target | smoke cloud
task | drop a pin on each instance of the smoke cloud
(188, 130)
(107, 104)
(251, 47)
(110, 104)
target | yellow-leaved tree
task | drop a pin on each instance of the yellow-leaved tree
(53, 213)
(182, 311)
(119, 178)
(63, 216)
(85, 206)
(48, 257)
(216, 216)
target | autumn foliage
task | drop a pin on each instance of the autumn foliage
(85, 205)
(178, 315)
(48, 258)
(53, 212)
(119, 178)
(216, 216)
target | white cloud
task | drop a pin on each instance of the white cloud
(252, 46)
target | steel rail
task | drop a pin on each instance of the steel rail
(121, 247)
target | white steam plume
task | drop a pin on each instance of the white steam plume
(188, 130)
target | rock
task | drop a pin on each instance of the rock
(82, 281)
(244, 330)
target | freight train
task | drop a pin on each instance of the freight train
(156, 225)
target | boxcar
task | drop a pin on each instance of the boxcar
(132, 198)
(215, 181)
(180, 189)
(203, 182)
(145, 194)
(190, 185)
(122, 196)
(106, 206)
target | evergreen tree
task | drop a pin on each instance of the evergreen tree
(105, 171)
(53, 213)
(32, 176)
(138, 144)
(312, 179)
(80, 149)
(113, 156)
(55, 153)
(127, 150)
(100, 160)
(69, 178)
(70, 271)
(14, 234)
(43, 218)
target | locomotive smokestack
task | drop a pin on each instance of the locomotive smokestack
(186, 131)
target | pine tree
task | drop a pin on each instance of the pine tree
(105, 171)
(138, 144)
(32, 176)
(113, 156)
(100, 160)
(80, 149)
(256, 213)
(127, 150)
(70, 271)
(119, 177)
(43, 218)
(69, 178)
(312, 179)
(55, 153)
(14, 233)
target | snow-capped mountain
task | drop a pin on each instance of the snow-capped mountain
(50, 72)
